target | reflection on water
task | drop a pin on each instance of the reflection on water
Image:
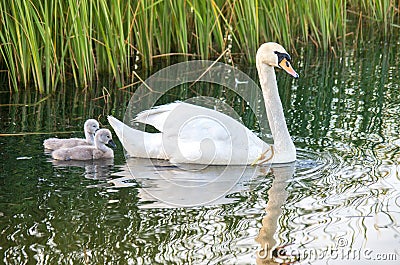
(338, 204)
(266, 237)
(94, 169)
(166, 185)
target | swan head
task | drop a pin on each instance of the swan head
(104, 136)
(91, 126)
(273, 54)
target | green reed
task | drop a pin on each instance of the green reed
(46, 43)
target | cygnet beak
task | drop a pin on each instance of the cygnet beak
(112, 144)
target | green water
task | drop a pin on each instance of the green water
(341, 197)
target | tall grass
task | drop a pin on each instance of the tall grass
(46, 43)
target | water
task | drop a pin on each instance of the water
(338, 204)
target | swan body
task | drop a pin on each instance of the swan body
(192, 138)
(90, 127)
(88, 152)
(194, 134)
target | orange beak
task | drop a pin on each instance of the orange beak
(285, 65)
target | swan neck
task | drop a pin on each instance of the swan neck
(89, 137)
(273, 105)
(101, 146)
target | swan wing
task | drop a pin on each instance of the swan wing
(157, 116)
(195, 134)
(55, 143)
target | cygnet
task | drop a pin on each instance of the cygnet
(90, 127)
(88, 152)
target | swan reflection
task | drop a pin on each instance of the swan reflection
(164, 185)
(270, 252)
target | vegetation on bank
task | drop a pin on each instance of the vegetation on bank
(45, 43)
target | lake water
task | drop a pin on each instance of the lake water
(338, 204)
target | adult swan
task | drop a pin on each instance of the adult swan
(198, 135)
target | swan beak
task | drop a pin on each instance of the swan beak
(285, 65)
(112, 144)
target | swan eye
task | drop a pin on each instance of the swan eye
(283, 57)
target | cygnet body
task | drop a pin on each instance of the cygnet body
(90, 127)
(88, 152)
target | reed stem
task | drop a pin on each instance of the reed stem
(44, 43)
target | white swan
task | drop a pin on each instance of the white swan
(194, 134)
(90, 127)
(88, 152)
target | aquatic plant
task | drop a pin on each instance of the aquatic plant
(44, 43)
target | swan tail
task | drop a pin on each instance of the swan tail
(117, 125)
(124, 133)
(52, 143)
(137, 143)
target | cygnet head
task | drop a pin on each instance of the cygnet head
(91, 126)
(275, 55)
(104, 136)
